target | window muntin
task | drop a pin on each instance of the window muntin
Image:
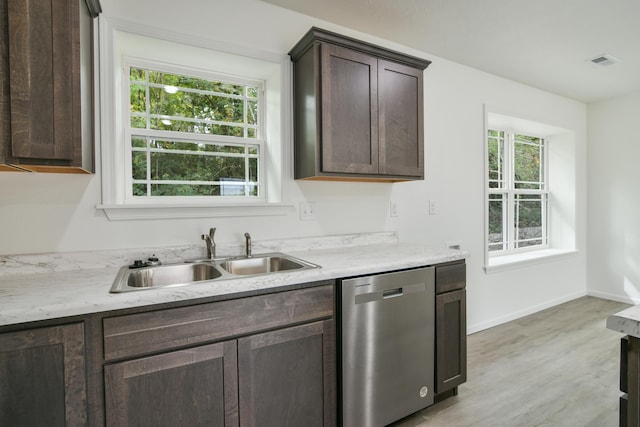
(193, 136)
(517, 196)
(496, 159)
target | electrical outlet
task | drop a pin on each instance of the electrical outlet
(307, 211)
(454, 245)
(393, 209)
(433, 208)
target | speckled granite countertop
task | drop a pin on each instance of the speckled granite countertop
(626, 321)
(61, 285)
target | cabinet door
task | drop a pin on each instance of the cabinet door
(451, 340)
(287, 377)
(42, 377)
(401, 119)
(349, 82)
(193, 387)
(44, 54)
(630, 368)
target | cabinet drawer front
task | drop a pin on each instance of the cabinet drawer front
(144, 333)
(451, 278)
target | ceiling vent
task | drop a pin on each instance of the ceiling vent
(603, 60)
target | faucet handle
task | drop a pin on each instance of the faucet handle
(212, 231)
(247, 243)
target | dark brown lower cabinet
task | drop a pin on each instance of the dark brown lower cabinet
(451, 340)
(282, 378)
(193, 387)
(287, 377)
(264, 360)
(451, 328)
(42, 377)
(630, 382)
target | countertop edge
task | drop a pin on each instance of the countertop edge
(626, 321)
(39, 297)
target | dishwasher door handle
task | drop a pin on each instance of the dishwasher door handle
(392, 293)
(373, 296)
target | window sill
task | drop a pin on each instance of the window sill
(134, 212)
(511, 261)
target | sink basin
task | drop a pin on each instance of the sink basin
(164, 275)
(262, 265)
(180, 274)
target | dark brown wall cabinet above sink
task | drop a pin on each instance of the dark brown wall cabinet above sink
(358, 110)
(45, 85)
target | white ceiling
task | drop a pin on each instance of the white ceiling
(542, 43)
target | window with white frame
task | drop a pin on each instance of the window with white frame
(517, 192)
(190, 127)
(193, 135)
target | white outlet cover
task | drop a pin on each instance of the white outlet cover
(307, 211)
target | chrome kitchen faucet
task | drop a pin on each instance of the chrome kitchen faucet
(247, 242)
(210, 242)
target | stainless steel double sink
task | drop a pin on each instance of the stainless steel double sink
(190, 272)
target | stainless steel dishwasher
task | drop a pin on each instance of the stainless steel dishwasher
(387, 346)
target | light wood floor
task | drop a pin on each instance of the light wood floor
(555, 368)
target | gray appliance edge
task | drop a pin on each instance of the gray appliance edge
(387, 328)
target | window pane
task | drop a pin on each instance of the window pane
(528, 155)
(138, 100)
(185, 167)
(167, 103)
(184, 190)
(529, 212)
(497, 209)
(195, 105)
(252, 91)
(252, 112)
(180, 81)
(139, 164)
(138, 122)
(232, 187)
(253, 170)
(139, 189)
(138, 142)
(496, 159)
(136, 74)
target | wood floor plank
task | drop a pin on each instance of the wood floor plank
(558, 367)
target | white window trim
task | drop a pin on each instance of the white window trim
(562, 244)
(522, 259)
(114, 202)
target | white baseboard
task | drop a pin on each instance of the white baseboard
(518, 314)
(614, 297)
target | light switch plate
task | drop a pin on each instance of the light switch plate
(307, 211)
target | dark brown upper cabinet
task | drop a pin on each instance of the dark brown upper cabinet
(358, 110)
(45, 55)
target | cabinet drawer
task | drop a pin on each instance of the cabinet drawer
(144, 333)
(451, 277)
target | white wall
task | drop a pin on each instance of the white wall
(613, 267)
(49, 213)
